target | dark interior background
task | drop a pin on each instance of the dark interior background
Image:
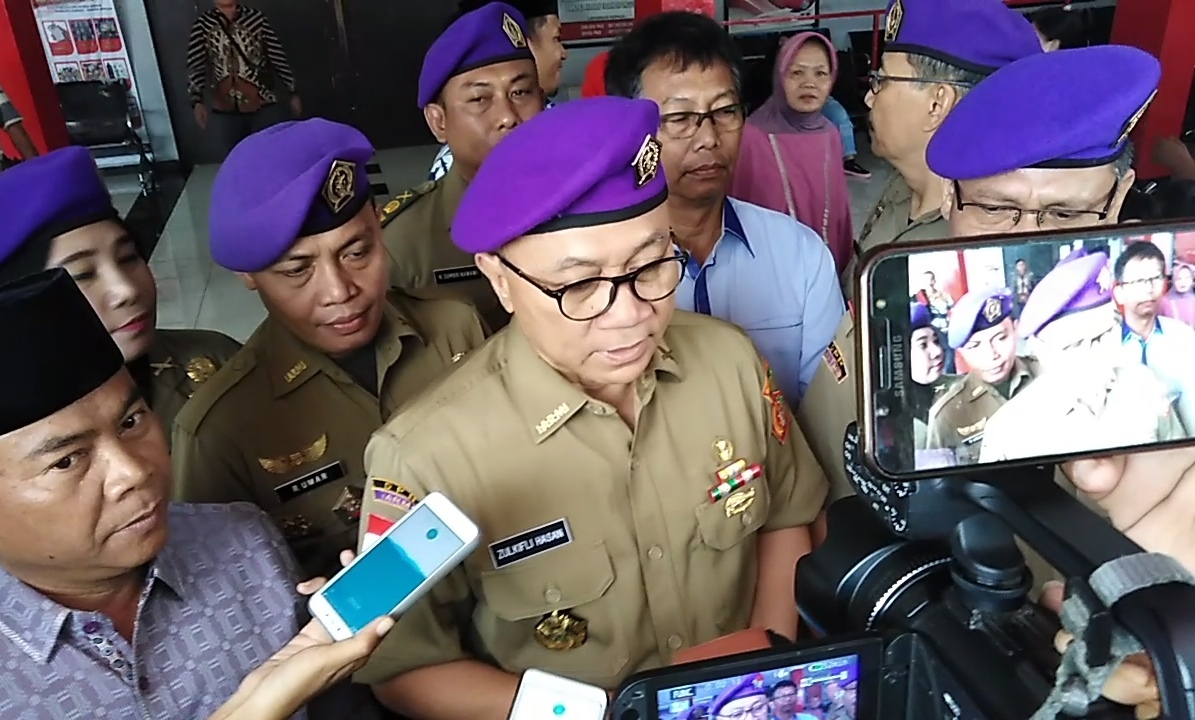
(355, 61)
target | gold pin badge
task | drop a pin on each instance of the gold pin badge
(286, 463)
(340, 186)
(1131, 125)
(513, 31)
(561, 630)
(296, 371)
(647, 161)
(456, 357)
(161, 367)
(200, 369)
(296, 528)
(992, 309)
(723, 450)
(896, 15)
(738, 503)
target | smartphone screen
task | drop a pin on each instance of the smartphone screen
(393, 568)
(984, 353)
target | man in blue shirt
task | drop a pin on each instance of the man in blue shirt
(756, 268)
(543, 22)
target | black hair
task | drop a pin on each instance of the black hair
(536, 12)
(684, 38)
(1069, 26)
(779, 685)
(933, 70)
(1142, 250)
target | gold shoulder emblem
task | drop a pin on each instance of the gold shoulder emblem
(201, 368)
(294, 373)
(404, 200)
(286, 463)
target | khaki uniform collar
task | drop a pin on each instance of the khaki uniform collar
(289, 362)
(901, 198)
(546, 400)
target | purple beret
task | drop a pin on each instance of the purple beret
(49, 195)
(1079, 282)
(975, 35)
(65, 352)
(1083, 105)
(749, 686)
(283, 183)
(976, 311)
(919, 316)
(589, 162)
(494, 34)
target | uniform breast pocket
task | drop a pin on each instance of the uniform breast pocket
(728, 553)
(584, 639)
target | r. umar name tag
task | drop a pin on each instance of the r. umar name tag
(304, 484)
(464, 273)
(528, 544)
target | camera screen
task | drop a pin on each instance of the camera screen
(1031, 350)
(824, 690)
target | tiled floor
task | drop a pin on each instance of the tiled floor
(194, 292)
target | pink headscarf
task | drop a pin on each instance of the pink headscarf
(775, 116)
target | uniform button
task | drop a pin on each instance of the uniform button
(656, 552)
(676, 642)
(91, 628)
(143, 684)
(747, 518)
(552, 595)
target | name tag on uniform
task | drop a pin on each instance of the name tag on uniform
(535, 541)
(304, 484)
(464, 273)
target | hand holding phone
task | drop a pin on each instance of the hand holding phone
(393, 573)
(543, 696)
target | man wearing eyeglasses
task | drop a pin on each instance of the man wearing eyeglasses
(635, 471)
(937, 51)
(759, 269)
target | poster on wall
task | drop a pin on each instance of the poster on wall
(83, 41)
(595, 19)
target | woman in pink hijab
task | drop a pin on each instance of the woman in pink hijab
(791, 156)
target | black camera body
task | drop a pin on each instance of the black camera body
(962, 639)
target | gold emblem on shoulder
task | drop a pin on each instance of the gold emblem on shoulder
(967, 431)
(295, 372)
(723, 450)
(1131, 125)
(456, 357)
(161, 367)
(739, 502)
(513, 31)
(551, 419)
(992, 308)
(896, 15)
(561, 630)
(647, 161)
(341, 185)
(200, 369)
(287, 463)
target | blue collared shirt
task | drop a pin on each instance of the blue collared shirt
(774, 278)
(443, 162)
(1168, 351)
(219, 600)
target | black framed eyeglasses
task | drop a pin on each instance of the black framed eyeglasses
(591, 298)
(1004, 217)
(684, 125)
(877, 80)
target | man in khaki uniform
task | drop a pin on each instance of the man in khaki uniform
(636, 473)
(284, 424)
(58, 213)
(937, 50)
(478, 83)
(981, 330)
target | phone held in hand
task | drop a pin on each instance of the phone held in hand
(1027, 349)
(399, 568)
(543, 696)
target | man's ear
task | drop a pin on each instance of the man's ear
(942, 101)
(434, 114)
(495, 272)
(1122, 192)
(1052, 45)
(247, 279)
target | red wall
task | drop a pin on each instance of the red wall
(25, 76)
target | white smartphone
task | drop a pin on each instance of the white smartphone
(543, 696)
(393, 573)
